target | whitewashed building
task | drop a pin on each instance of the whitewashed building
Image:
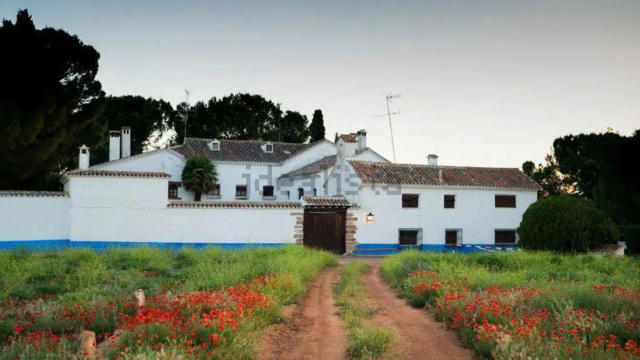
(341, 195)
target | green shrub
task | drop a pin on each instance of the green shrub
(631, 235)
(565, 224)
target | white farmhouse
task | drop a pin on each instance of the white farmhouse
(341, 196)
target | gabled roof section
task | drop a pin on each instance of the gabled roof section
(241, 150)
(30, 193)
(358, 152)
(313, 168)
(325, 201)
(234, 205)
(350, 138)
(135, 157)
(111, 173)
(409, 174)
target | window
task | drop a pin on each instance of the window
(449, 201)
(288, 194)
(300, 193)
(214, 193)
(268, 148)
(410, 200)
(267, 192)
(315, 192)
(409, 237)
(215, 146)
(505, 237)
(241, 192)
(453, 237)
(505, 201)
(173, 189)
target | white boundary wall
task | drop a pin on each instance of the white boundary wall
(34, 218)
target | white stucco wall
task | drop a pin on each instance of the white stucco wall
(202, 225)
(369, 155)
(34, 218)
(475, 213)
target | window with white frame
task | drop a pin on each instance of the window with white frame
(410, 237)
(453, 237)
(506, 236)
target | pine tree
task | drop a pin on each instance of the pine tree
(316, 129)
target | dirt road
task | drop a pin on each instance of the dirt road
(316, 332)
(417, 335)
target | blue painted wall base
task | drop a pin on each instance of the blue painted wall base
(40, 245)
(389, 249)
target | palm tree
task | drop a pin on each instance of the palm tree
(199, 175)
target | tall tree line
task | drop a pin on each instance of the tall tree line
(602, 167)
(51, 103)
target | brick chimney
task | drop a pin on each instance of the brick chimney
(83, 159)
(126, 142)
(362, 140)
(114, 145)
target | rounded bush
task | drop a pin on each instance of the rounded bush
(565, 224)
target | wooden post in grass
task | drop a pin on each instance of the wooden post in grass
(88, 344)
(140, 298)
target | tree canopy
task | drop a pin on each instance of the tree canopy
(316, 129)
(597, 166)
(148, 118)
(50, 100)
(241, 117)
(565, 224)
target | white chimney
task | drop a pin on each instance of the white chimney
(126, 142)
(362, 140)
(83, 161)
(114, 145)
(432, 159)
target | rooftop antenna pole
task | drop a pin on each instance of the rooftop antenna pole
(388, 114)
(185, 116)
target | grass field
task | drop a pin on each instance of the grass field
(200, 303)
(528, 305)
(366, 341)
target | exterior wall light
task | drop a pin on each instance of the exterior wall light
(370, 217)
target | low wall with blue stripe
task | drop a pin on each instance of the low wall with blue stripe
(44, 245)
(389, 249)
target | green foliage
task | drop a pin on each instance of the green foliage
(553, 182)
(50, 102)
(316, 129)
(604, 287)
(365, 341)
(148, 118)
(91, 280)
(199, 175)
(631, 235)
(241, 117)
(565, 224)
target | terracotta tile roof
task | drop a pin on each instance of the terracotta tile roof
(408, 174)
(241, 150)
(234, 204)
(313, 168)
(331, 201)
(30, 193)
(111, 173)
(607, 249)
(350, 138)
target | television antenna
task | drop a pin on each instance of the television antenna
(388, 114)
(185, 116)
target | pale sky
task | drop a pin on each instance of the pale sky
(483, 83)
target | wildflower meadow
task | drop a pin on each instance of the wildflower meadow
(528, 305)
(205, 303)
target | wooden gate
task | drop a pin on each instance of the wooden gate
(325, 229)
